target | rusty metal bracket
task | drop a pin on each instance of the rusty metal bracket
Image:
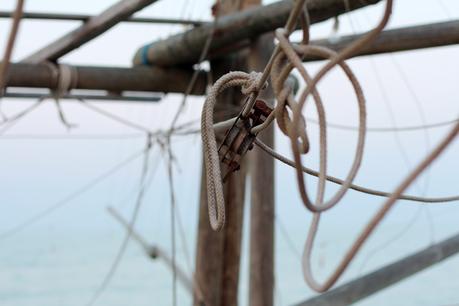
(238, 139)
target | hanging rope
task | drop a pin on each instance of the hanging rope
(288, 115)
(215, 198)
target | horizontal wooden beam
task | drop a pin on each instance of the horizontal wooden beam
(185, 48)
(86, 96)
(380, 279)
(403, 39)
(85, 18)
(95, 26)
(113, 79)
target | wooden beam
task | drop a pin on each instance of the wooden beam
(112, 79)
(380, 279)
(86, 96)
(94, 27)
(85, 18)
(185, 48)
(403, 39)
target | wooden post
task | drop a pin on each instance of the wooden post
(384, 277)
(218, 253)
(262, 193)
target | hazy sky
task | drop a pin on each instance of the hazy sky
(37, 173)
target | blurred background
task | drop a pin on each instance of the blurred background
(62, 258)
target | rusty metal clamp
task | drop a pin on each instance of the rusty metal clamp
(238, 139)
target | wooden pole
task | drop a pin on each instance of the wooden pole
(380, 279)
(395, 40)
(95, 26)
(403, 39)
(262, 192)
(185, 48)
(85, 18)
(112, 79)
(176, 80)
(218, 253)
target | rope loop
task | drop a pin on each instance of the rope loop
(215, 196)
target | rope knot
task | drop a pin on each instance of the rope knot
(252, 83)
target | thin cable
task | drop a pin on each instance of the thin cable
(66, 200)
(194, 77)
(355, 187)
(284, 232)
(444, 8)
(392, 239)
(389, 129)
(374, 222)
(421, 189)
(142, 190)
(71, 137)
(172, 220)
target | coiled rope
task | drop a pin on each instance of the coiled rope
(288, 116)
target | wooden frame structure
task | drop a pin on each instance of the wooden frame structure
(165, 67)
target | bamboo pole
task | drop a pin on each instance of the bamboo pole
(94, 27)
(112, 79)
(185, 48)
(393, 273)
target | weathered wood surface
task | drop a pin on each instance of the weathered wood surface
(152, 79)
(403, 39)
(95, 26)
(218, 254)
(262, 208)
(185, 48)
(384, 277)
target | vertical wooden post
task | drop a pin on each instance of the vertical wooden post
(218, 253)
(262, 197)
